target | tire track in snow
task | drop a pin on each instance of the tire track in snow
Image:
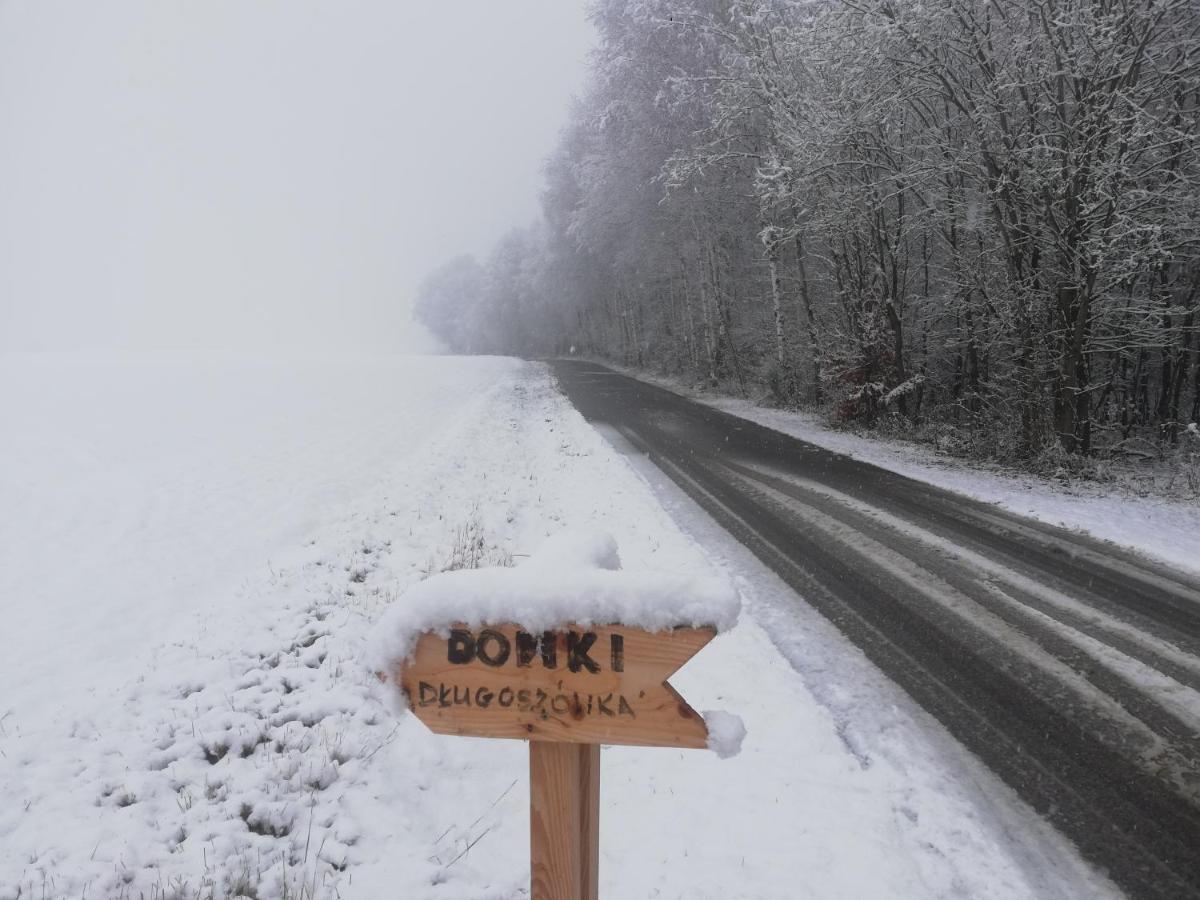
(1127, 588)
(977, 570)
(1089, 681)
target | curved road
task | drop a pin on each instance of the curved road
(1070, 667)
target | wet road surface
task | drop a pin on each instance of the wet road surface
(1070, 667)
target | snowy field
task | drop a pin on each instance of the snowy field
(192, 560)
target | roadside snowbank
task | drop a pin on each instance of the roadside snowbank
(1160, 529)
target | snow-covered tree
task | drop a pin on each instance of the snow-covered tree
(981, 218)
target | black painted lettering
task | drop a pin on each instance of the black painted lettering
(505, 697)
(624, 709)
(577, 651)
(426, 694)
(549, 649)
(460, 649)
(601, 708)
(483, 698)
(617, 646)
(526, 648)
(463, 698)
(500, 656)
(445, 695)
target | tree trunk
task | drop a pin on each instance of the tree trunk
(1071, 400)
(776, 301)
(810, 321)
(710, 349)
(897, 326)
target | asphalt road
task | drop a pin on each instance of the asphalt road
(1068, 666)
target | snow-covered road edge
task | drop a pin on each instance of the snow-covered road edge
(1160, 529)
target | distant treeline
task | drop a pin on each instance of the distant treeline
(979, 217)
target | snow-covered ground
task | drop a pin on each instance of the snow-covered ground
(1154, 526)
(193, 557)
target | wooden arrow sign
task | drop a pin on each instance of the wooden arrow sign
(583, 685)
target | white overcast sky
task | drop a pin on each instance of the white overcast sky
(252, 175)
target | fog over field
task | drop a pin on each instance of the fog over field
(270, 176)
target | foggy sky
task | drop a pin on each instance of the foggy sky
(259, 175)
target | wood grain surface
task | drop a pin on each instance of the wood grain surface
(587, 685)
(564, 820)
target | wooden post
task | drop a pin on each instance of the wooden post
(567, 692)
(564, 820)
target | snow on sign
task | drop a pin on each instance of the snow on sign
(567, 647)
(566, 652)
(585, 685)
